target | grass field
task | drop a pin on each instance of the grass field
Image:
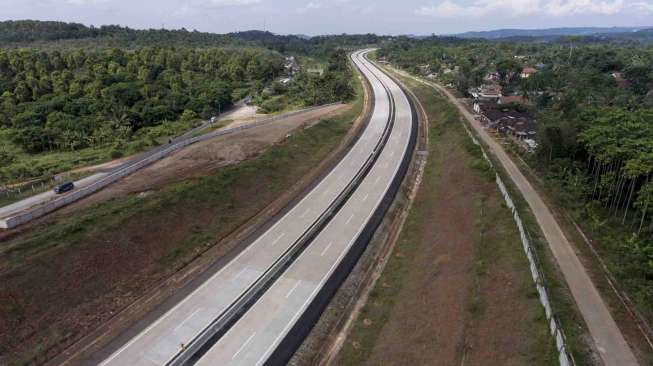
(457, 288)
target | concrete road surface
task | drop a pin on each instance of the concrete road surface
(256, 335)
(607, 337)
(164, 338)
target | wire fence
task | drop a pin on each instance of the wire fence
(49, 206)
(564, 356)
(26, 188)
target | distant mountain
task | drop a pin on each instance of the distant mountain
(549, 33)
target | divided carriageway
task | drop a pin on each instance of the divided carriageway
(261, 304)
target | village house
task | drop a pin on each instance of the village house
(316, 70)
(492, 77)
(486, 92)
(527, 72)
(291, 66)
(519, 126)
(516, 99)
(424, 69)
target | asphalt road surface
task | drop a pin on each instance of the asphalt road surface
(170, 334)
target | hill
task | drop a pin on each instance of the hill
(550, 32)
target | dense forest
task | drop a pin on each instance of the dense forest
(108, 101)
(70, 100)
(594, 107)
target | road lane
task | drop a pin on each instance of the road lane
(162, 340)
(255, 336)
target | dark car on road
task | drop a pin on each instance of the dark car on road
(65, 187)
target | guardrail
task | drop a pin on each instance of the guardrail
(302, 327)
(564, 357)
(221, 324)
(30, 214)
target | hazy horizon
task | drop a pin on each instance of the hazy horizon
(420, 17)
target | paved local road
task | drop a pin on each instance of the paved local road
(256, 335)
(604, 331)
(162, 340)
(45, 198)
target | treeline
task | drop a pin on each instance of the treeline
(60, 35)
(74, 99)
(29, 31)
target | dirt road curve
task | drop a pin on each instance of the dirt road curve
(607, 337)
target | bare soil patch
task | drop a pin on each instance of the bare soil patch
(456, 290)
(424, 326)
(200, 159)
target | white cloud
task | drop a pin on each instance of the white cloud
(327, 4)
(514, 8)
(85, 2)
(225, 3)
(643, 6)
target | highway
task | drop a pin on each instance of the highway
(253, 339)
(328, 220)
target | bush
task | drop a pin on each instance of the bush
(273, 105)
(188, 115)
(115, 154)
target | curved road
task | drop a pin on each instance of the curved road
(255, 335)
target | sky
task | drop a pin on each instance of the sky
(336, 16)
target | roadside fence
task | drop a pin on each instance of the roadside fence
(564, 357)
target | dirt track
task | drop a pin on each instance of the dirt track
(609, 340)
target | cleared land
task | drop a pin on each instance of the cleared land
(200, 159)
(457, 289)
(91, 265)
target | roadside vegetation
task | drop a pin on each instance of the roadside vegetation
(92, 264)
(593, 102)
(327, 83)
(63, 106)
(457, 287)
